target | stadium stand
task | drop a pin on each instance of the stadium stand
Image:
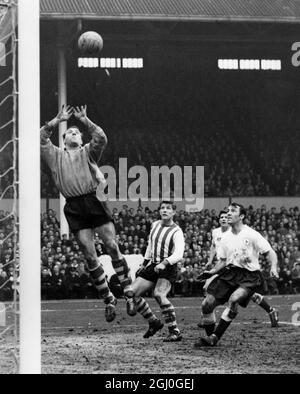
(225, 175)
(63, 269)
(233, 166)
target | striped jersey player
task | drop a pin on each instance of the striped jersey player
(159, 270)
(165, 243)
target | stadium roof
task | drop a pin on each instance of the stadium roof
(185, 10)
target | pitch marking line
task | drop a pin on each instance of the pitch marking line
(156, 310)
(198, 300)
(174, 298)
(140, 326)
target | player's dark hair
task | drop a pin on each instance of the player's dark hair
(222, 213)
(169, 202)
(242, 208)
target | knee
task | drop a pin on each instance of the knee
(89, 252)
(137, 294)
(137, 290)
(110, 244)
(160, 298)
(157, 296)
(208, 306)
(257, 298)
(234, 301)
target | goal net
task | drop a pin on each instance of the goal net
(20, 325)
(9, 251)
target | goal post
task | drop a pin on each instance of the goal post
(29, 186)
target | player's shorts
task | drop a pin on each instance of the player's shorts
(169, 273)
(84, 212)
(230, 279)
(208, 281)
(263, 287)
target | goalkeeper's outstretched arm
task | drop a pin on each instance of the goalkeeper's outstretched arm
(46, 131)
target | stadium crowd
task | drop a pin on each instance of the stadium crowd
(63, 268)
(242, 155)
(230, 168)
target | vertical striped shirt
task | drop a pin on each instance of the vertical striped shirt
(165, 243)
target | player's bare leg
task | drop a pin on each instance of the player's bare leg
(208, 305)
(85, 239)
(107, 234)
(161, 292)
(208, 318)
(228, 316)
(140, 286)
(272, 312)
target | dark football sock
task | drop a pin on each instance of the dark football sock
(264, 304)
(222, 327)
(209, 322)
(209, 329)
(261, 301)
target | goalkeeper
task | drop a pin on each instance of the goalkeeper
(76, 175)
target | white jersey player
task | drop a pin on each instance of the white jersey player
(238, 272)
(218, 235)
(243, 249)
